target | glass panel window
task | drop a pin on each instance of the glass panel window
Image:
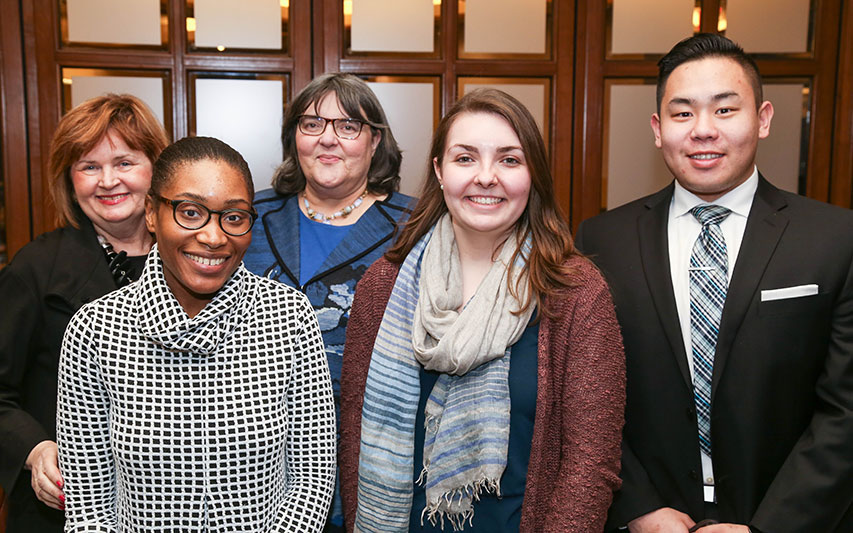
(534, 93)
(213, 25)
(640, 27)
(633, 167)
(412, 107)
(381, 27)
(783, 155)
(107, 22)
(769, 26)
(505, 28)
(245, 112)
(80, 84)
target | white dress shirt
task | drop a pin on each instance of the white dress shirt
(682, 231)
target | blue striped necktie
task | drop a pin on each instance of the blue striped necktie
(708, 284)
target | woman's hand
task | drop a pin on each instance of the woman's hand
(46, 480)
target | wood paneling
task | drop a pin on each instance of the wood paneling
(819, 67)
(32, 58)
(841, 175)
(13, 129)
(330, 56)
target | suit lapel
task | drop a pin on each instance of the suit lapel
(654, 253)
(282, 232)
(764, 228)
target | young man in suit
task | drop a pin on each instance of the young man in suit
(736, 303)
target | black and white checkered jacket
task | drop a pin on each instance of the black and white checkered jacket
(220, 422)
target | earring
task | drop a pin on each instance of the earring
(441, 186)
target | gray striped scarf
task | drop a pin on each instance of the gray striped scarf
(467, 414)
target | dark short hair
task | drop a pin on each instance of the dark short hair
(190, 150)
(702, 46)
(357, 101)
(82, 128)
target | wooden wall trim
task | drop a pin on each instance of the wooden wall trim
(823, 101)
(41, 76)
(14, 129)
(562, 110)
(841, 176)
(589, 106)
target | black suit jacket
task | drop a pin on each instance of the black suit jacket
(44, 285)
(782, 390)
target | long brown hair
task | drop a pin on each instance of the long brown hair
(542, 220)
(82, 128)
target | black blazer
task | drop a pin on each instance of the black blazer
(782, 391)
(45, 284)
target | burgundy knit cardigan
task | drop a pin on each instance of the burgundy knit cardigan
(577, 431)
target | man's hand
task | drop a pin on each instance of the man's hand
(46, 480)
(724, 528)
(664, 520)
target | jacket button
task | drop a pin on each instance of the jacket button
(694, 475)
(691, 413)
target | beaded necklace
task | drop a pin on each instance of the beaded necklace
(341, 213)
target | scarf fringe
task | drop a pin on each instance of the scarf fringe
(436, 512)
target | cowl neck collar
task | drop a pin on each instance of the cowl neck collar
(164, 321)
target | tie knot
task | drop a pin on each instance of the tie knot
(710, 214)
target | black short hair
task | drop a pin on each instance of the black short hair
(702, 46)
(192, 149)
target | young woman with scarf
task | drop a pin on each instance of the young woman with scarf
(197, 398)
(483, 383)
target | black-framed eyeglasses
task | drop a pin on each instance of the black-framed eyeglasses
(345, 128)
(193, 215)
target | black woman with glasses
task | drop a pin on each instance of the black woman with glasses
(197, 398)
(333, 208)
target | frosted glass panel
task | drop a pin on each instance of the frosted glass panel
(533, 96)
(644, 27)
(238, 24)
(149, 90)
(392, 26)
(109, 21)
(410, 112)
(779, 154)
(769, 25)
(505, 26)
(247, 115)
(634, 166)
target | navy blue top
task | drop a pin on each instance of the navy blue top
(492, 515)
(276, 252)
(316, 242)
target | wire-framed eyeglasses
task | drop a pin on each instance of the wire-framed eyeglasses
(193, 215)
(345, 128)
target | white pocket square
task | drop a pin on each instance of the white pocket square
(789, 292)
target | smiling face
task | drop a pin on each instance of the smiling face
(110, 182)
(335, 167)
(709, 126)
(197, 263)
(485, 176)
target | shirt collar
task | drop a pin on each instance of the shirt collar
(738, 200)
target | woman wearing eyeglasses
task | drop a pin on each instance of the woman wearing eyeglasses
(333, 207)
(198, 398)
